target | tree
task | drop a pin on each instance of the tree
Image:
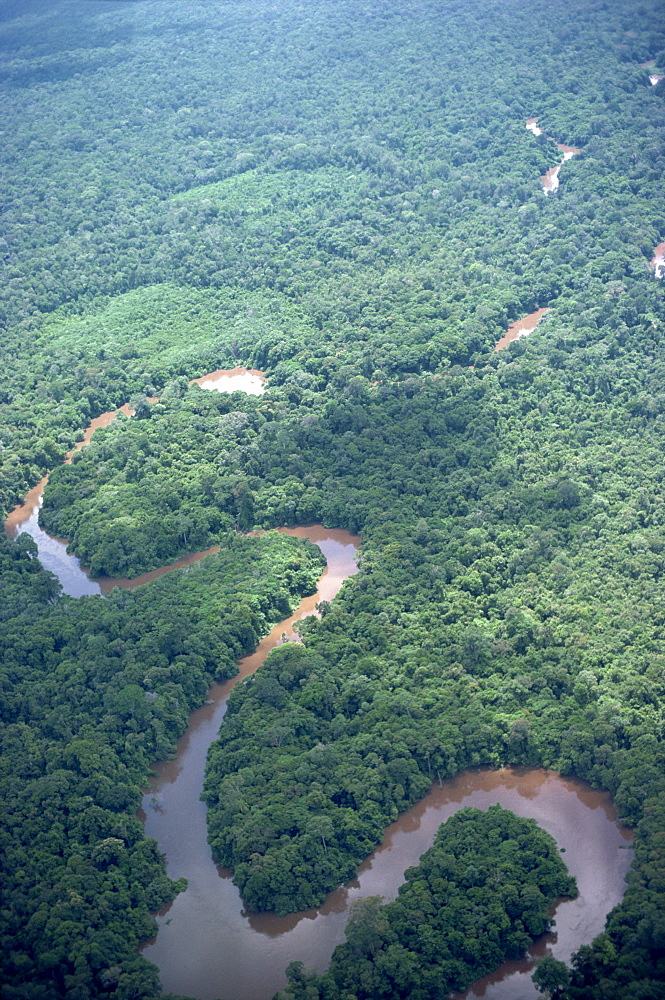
(321, 826)
(367, 925)
(551, 977)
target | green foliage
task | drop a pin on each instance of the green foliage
(93, 691)
(551, 977)
(346, 196)
(478, 896)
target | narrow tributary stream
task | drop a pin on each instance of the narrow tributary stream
(521, 328)
(550, 178)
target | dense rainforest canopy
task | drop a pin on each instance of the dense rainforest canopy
(343, 194)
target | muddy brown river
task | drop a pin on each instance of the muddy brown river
(520, 328)
(658, 260)
(550, 179)
(248, 380)
(208, 945)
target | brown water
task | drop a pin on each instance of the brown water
(658, 261)
(220, 949)
(208, 945)
(53, 554)
(520, 328)
(551, 178)
(248, 380)
(654, 78)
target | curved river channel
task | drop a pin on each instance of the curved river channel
(550, 179)
(207, 945)
(52, 551)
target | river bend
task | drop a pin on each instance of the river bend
(208, 945)
(53, 555)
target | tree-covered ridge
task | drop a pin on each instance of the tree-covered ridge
(92, 691)
(478, 896)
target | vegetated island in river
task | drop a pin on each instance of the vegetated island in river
(479, 895)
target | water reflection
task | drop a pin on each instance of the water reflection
(520, 328)
(550, 179)
(248, 380)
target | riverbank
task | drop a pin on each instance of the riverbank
(53, 552)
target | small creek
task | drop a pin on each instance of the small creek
(658, 261)
(52, 551)
(654, 78)
(248, 380)
(550, 179)
(520, 328)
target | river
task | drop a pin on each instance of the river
(550, 178)
(208, 945)
(520, 328)
(52, 551)
(248, 380)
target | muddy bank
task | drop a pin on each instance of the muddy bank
(520, 328)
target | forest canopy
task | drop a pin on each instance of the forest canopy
(477, 897)
(345, 196)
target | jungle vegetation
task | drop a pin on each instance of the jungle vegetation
(345, 196)
(477, 897)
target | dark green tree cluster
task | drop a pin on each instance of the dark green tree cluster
(478, 896)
